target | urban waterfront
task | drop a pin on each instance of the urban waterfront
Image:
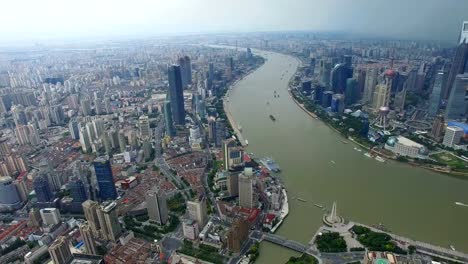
(319, 168)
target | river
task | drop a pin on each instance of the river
(318, 167)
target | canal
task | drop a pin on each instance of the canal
(319, 168)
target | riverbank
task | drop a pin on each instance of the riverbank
(438, 169)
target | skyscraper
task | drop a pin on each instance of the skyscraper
(156, 205)
(245, 191)
(185, 70)
(352, 91)
(456, 106)
(460, 61)
(42, 189)
(340, 73)
(90, 209)
(77, 191)
(197, 211)
(105, 179)
(88, 238)
(60, 251)
(176, 95)
(109, 222)
(168, 122)
(143, 123)
(434, 101)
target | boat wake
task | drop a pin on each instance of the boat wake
(461, 204)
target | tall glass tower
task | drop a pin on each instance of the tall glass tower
(170, 131)
(434, 101)
(456, 106)
(42, 189)
(176, 95)
(104, 178)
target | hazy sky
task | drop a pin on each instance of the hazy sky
(415, 19)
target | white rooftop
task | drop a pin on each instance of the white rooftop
(408, 142)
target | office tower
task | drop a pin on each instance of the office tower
(233, 184)
(190, 229)
(90, 210)
(197, 211)
(306, 87)
(399, 100)
(85, 140)
(143, 123)
(74, 129)
(77, 190)
(352, 91)
(459, 64)
(381, 96)
(185, 70)
(108, 220)
(176, 95)
(338, 103)
(318, 94)
(340, 73)
(9, 196)
(122, 141)
(60, 251)
(35, 219)
(452, 136)
(237, 235)
(327, 98)
(325, 71)
(88, 239)
(85, 107)
(456, 105)
(228, 145)
(57, 114)
(156, 205)
(435, 98)
(50, 216)
(464, 33)
(312, 66)
(220, 132)
(438, 126)
(170, 130)
(211, 129)
(104, 178)
(42, 189)
(246, 191)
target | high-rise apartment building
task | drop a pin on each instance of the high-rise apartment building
(60, 251)
(88, 238)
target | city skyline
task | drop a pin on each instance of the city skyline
(54, 20)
